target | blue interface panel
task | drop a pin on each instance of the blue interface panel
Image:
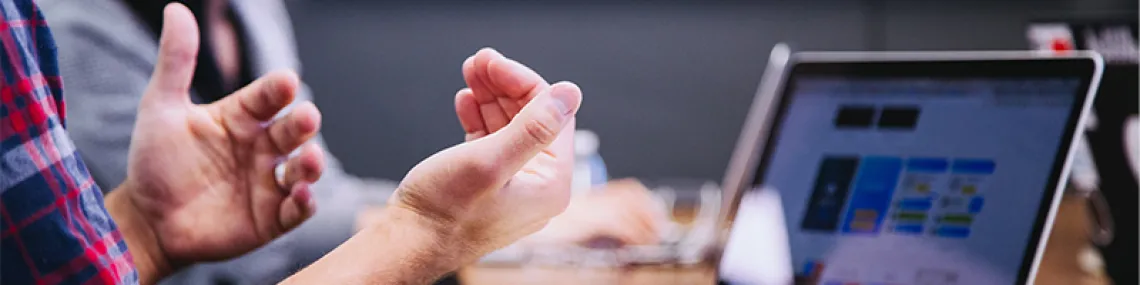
(870, 195)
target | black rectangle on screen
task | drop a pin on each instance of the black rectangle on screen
(899, 117)
(829, 195)
(855, 116)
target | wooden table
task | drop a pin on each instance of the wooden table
(575, 276)
(1059, 265)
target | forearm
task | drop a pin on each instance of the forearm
(400, 248)
(141, 241)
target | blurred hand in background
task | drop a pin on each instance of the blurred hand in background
(624, 211)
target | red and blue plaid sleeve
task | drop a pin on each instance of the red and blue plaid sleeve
(55, 228)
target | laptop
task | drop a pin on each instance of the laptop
(909, 167)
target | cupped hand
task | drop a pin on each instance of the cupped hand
(201, 178)
(513, 172)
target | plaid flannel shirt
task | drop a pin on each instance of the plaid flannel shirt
(55, 228)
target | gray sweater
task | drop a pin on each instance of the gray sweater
(106, 56)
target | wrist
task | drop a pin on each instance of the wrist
(400, 247)
(442, 242)
(142, 242)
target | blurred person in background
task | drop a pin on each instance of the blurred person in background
(107, 50)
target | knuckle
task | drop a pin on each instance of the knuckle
(178, 54)
(539, 131)
(264, 99)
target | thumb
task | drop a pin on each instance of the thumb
(536, 127)
(177, 55)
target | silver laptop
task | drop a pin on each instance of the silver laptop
(912, 168)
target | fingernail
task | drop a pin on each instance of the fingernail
(564, 97)
(493, 51)
(516, 66)
(303, 193)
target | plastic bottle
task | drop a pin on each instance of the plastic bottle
(589, 168)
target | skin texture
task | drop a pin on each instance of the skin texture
(201, 184)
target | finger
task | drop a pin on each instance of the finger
(297, 207)
(563, 147)
(480, 63)
(494, 118)
(510, 107)
(484, 91)
(536, 127)
(637, 206)
(177, 53)
(646, 225)
(306, 167)
(649, 229)
(245, 112)
(625, 227)
(263, 99)
(514, 79)
(472, 75)
(515, 82)
(296, 128)
(468, 112)
(635, 214)
(639, 201)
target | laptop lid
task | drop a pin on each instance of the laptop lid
(914, 168)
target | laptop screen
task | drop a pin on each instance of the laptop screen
(917, 180)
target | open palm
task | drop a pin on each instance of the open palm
(204, 175)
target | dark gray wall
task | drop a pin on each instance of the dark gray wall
(666, 84)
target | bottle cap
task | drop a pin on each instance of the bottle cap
(585, 142)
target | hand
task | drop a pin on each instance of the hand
(509, 178)
(201, 184)
(622, 210)
(513, 173)
(368, 216)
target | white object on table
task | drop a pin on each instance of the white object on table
(757, 251)
(1132, 143)
(589, 169)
